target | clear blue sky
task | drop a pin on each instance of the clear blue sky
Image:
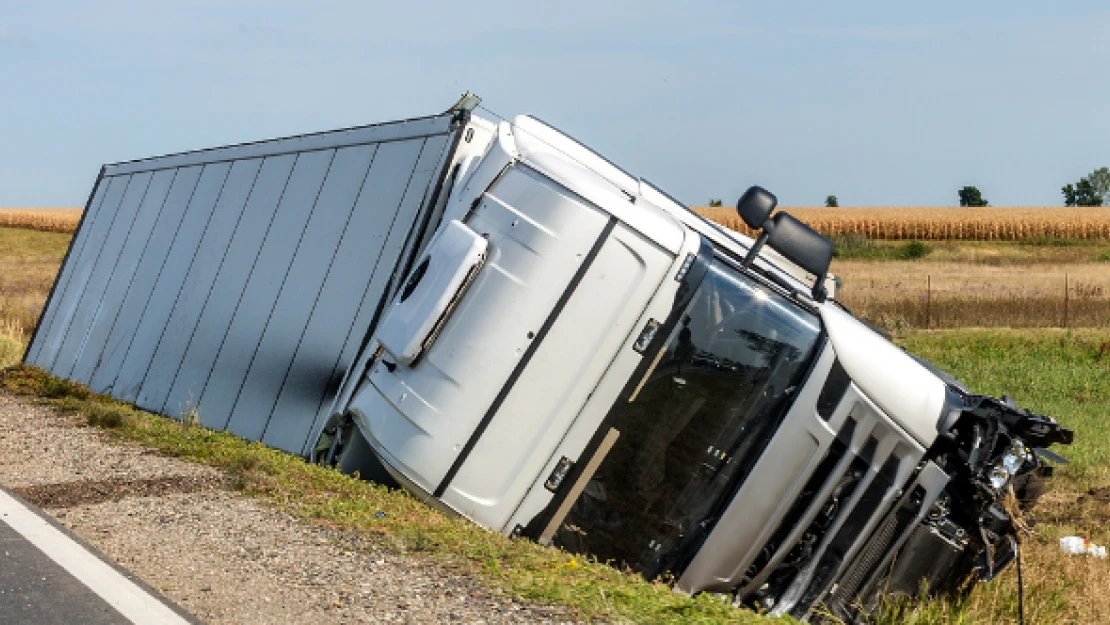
(880, 103)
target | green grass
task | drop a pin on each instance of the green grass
(859, 247)
(1064, 374)
(1054, 242)
(1061, 373)
(24, 243)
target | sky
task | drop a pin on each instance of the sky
(879, 103)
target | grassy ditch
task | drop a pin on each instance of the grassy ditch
(1065, 374)
(525, 570)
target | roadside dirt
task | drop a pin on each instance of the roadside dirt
(225, 557)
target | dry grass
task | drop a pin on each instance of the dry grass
(28, 262)
(944, 223)
(951, 294)
(45, 219)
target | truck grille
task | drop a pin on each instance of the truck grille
(865, 509)
(839, 529)
(872, 554)
(805, 506)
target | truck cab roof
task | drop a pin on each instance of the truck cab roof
(642, 205)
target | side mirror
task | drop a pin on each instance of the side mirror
(755, 206)
(803, 246)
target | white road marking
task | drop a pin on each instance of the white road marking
(125, 596)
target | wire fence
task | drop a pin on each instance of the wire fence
(1041, 302)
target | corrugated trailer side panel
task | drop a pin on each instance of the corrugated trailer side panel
(157, 284)
(241, 281)
(89, 302)
(173, 336)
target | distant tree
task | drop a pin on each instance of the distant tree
(715, 203)
(1100, 180)
(1085, 192)
(1069, 194)
(970, 196)
(831, 201)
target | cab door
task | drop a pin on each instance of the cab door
(419, 415)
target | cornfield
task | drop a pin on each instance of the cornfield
(943, 223)
(46, 219)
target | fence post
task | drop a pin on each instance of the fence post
(928, 300)
(1065, 301)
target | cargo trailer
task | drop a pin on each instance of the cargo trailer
(518, 331)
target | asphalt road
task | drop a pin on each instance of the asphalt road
(49, 576)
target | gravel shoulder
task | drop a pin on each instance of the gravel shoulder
(226, 557)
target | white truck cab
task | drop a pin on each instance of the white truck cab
(582, 360)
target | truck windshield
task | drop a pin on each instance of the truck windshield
(701, 418)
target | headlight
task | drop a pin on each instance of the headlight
(1007, 466)
(999, 477)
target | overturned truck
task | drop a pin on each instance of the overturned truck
(520, 332)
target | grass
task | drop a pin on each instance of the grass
(1060, 373)
(964, 285)
(525, 570)
(29, 260)
(858, 247)
(1065, 374)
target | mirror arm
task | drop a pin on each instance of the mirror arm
(820, 293)
(755, 249)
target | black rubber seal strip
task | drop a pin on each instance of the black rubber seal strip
(526, 358)
(65, 259)
(448, 172)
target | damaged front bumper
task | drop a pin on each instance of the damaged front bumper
(950, 527)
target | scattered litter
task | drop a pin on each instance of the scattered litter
(1076, 545)
(380, 515)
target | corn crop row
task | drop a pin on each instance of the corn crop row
(931, 224)
(47, 219)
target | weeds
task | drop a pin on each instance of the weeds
(58, 388)
(912, 250)
(855, 246)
